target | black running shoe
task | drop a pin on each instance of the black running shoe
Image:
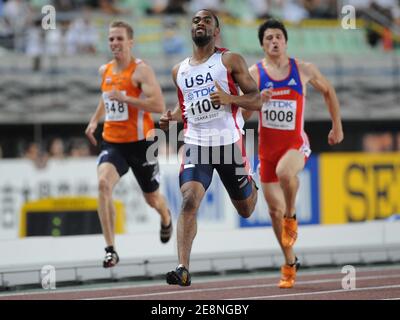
(166, 231)
(111, 259)
(180, 276)
(297, 263)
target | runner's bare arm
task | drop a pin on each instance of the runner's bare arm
(254, 74)
(251, 99)
(322, 84)
(176, 114)
(246, 114)
(167, 117)
(144, 78)
(98, 114)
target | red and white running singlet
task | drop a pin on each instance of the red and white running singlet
(207, 124)
(281, 120)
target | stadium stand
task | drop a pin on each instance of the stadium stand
(50, 77)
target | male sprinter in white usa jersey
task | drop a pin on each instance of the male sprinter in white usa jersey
(207, 85)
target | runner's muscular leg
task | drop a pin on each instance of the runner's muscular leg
(275, 199)
(157, 201)
(287, 169)
(107, 179)
(192, 194)
(246, 207)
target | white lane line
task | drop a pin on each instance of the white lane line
(155, 283)
(304, 272)
(162, 282)
(134, 285)
(111, 287)
(166, 293)
(391, 299)
(318, 292)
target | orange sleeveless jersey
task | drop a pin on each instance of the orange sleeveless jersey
(134, 124)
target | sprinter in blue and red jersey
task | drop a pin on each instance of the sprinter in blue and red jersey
(283, 144)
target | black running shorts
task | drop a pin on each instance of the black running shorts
(133, 155)
(229, 161)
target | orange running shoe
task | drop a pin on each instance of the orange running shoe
(289, 232)
(289, 274)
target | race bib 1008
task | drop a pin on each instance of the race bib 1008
(279, 114)
(115, 111)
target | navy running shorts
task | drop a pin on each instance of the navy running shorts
(230, 162)
(133, 155)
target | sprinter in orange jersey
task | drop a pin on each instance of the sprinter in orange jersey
(127, 124)
(283, 144)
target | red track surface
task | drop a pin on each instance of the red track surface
(370, 284)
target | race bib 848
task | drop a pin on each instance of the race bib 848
(115, 111)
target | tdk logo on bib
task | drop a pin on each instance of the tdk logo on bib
(282, 103)
(205, 92)
(198, 80)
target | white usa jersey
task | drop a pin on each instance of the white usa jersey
(207, 124)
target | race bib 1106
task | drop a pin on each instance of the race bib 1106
(201, 111)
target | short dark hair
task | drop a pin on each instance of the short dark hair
(213, 15)
(271, 24)
(125, 25)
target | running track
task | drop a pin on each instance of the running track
(371, 283)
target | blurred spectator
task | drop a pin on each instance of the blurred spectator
(260, 8)
(216, 6)
(79, 148)
(31, 151)
(17, 16)
(357, 4)
(81, 36)
(34, 153)
(319, 9)
(56, 149)
(156, 6)
(387, 141)
(6, 34)
(378, 142)
(293, 11)
(176, 7)
(54, 42)
(167, 7)
(64, 5)
(391, 9)
(34, 44)
(173, 42)
(17, 12)
(111, 7)
(384, 13)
